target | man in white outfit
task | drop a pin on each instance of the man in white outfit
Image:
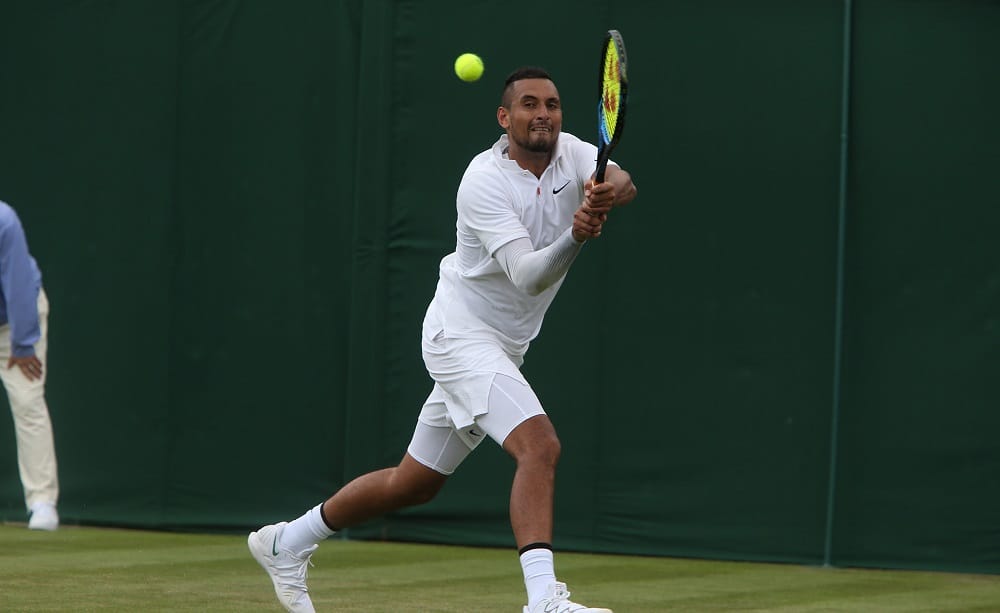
(24, 311)
(526, 206)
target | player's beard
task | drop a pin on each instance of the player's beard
(538, 142)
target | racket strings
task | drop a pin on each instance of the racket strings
(611, 94)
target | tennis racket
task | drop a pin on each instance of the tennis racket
(614, 95)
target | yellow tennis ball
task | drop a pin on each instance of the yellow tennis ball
(469, 67)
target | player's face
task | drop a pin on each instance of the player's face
(534, 118)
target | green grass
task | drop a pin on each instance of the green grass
(91, 569)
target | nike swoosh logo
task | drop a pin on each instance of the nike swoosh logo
(474, 433)
(274, 546)
(556, 191)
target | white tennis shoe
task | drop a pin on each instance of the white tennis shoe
(287, 570)
(43, 517)
(557, 601)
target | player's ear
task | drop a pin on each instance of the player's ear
(503, 118)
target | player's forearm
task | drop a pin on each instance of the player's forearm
(625, 190)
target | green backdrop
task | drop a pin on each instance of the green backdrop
(786, 349)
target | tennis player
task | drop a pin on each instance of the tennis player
(526, 206)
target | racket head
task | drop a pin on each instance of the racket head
(613, 88)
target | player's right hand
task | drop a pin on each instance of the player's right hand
(587, 224)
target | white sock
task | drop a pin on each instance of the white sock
(539, 573)
(304, 532)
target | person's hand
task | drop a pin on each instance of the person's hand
(30, 365)
(587, 225)
(598, 198)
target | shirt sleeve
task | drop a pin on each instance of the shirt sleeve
(19, 286)
(535, 271)
(584, 158)
(486, 210)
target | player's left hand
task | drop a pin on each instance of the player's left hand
(30, 365)
(598, 198)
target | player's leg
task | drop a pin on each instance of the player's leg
(535, 448)
(284, 549)
(517, 421)
(380, 492)
(434, 452)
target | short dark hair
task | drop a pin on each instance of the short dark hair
(524, 72)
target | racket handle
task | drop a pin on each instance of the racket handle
(602, 166)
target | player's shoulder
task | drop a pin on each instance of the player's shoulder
(481, 183)
(483, 169)
(570, 144)
(566, 137)
(482, 162)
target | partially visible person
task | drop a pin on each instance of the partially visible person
(24, 312)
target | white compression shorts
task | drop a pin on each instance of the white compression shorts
(440, 446)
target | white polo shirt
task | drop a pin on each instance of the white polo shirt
(498, 202)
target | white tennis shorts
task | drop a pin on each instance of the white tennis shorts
(478, 392)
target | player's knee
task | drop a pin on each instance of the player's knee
(544, 451)
(413, 490)
(552, 451)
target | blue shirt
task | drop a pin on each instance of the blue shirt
(20, 282)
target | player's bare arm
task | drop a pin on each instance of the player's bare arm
(624, 188)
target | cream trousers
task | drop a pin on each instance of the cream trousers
(36, 454)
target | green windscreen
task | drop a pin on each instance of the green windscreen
(239, 209)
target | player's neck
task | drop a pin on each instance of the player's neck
(532, 161)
